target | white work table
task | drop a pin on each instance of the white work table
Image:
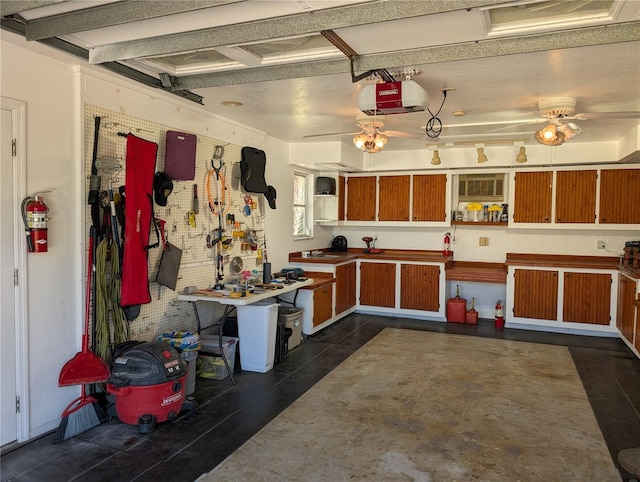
(250, 297)
(238, 303)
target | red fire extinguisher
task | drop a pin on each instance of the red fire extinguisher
(447, 245)
(499, 315)
(34, 215)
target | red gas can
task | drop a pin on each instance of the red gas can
(457, 308)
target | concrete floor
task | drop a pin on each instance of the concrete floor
(227, 416)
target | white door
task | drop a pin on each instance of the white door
(9, 425)
(12, 262)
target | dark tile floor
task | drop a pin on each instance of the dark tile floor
(227, 416)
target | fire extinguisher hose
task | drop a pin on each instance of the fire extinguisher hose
(23, 211)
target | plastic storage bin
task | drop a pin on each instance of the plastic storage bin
(293, 320)
(190, 382)
(210, 363)
(257, 325)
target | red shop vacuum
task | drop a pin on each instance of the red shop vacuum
(148, 383)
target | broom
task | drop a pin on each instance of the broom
(85, 412)
(82, 414)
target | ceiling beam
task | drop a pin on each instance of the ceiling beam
(582, 37)
(17, 6)
(290, 25)
(111, 14)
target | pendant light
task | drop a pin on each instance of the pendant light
(522, 155)
(435, 160)
(481, 155)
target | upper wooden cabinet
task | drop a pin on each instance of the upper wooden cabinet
(532, 203)
(394, 198)
(341, 197)
(619, 196)
(576, 196)
(429, 197)
(361, 199)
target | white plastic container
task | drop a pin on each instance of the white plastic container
(257, 326)
(190, 381)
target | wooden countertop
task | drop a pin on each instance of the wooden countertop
(387, 255)
(562, 261)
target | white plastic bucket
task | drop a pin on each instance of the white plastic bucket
(257, 326)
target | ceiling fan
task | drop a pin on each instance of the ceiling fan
(370, 138)
(559, 114)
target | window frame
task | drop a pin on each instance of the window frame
(308, 204)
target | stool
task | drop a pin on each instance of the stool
(629, 461)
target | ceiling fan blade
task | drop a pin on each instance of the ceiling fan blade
(408, 135)
(330, 134)
(605, 115)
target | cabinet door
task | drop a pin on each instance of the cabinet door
(430, 197)
(322, 304)
(626, 297)
(620, 196)
(535, 294)
(587, 298)
(532, 202)
(345, 287)
(378, 284)
(576, 196)
(420, 287)
(341, 198)
(394, 198)
(361, 199)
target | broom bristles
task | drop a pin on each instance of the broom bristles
(87, 414)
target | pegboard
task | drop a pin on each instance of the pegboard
(199, 266)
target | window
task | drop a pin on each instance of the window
(302, 219)
(481, 187)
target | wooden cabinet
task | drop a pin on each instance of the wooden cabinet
(619, 196)
(532, 202)
(429, 197)
(576, 196)
(378, 284)
(341, 197)
(393, 198)
(535, 294)
(361, 199)
(345, 287)
(420, 287)
(322, 304)
(626, 310)
(587, 298)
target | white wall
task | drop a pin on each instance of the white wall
(54, 283)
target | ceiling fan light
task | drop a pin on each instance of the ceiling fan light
(359, 140)
(482, 157)
(380, 140)
(435, 160)
(522, 155)
(550, 136)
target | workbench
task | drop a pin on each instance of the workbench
(238, 304)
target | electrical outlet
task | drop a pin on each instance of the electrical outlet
(483, 241)
(600, 244)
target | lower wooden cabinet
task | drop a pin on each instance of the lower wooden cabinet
(345, 287)
(322, 304)
(420, 287)
(535, 294)
(587, 298)
(378, 284)
(626, 311)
